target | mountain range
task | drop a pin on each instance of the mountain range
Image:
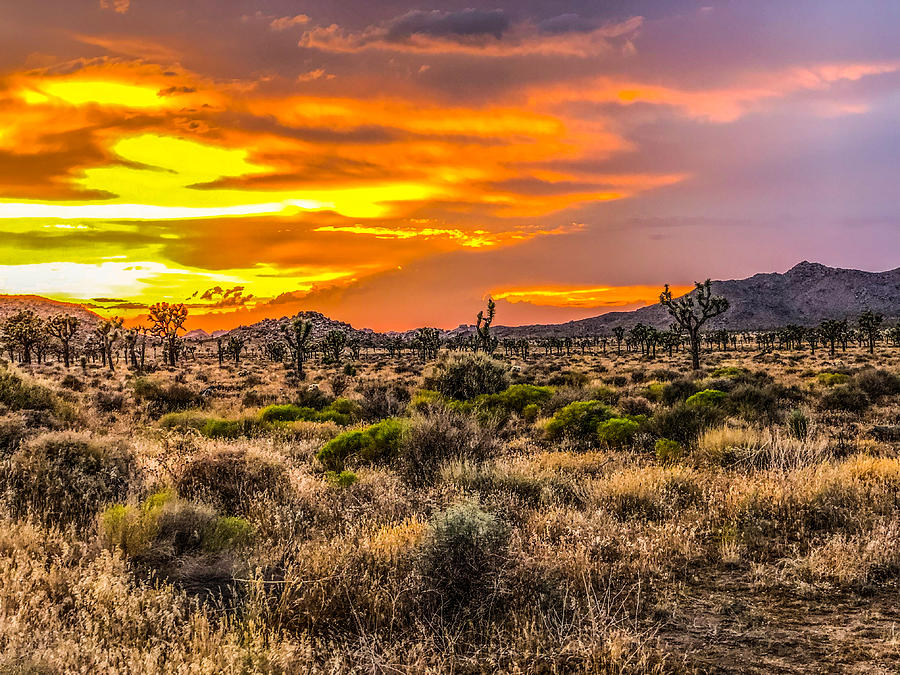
(806, 294)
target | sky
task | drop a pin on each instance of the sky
(393, 164)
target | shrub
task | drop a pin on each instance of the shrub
(22, 393)
(164, 398)
(377, 442)
(382, 400)
(728, 371)
(164, 527)
(109, 401)
(65, 477)
(425, 400)
(681, 423)
(286, 413)
(516, 398)
(183, 421)
(312, 397)
(845, 397)
(707, 398)
(635, 405)
(668, 451)
(664, 374)
(578, 421)
(798, 423)
(461, 558)
(465, 376)
(430, 440)
(678, 390)
(230, 480)
(617, 432)
(569, 378)
(877, 383)
(343, 479)
(756, 402)
(832, 379)
(12, 432)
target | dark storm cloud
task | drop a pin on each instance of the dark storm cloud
(465, 23)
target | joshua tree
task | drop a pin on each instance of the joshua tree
(297, 336)
(692, 311)
(484, 339)
(832, 331)
(427, 342)
(23, 329)
(333, 345)
(108, 333)
(619, 334)
(869, 325)
(235, 347)
(63, 328)
(166, 321)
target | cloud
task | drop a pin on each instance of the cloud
(461, 24)
(473, 32)
(118, 6)
(286, 22)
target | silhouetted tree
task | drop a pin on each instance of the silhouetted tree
(166, 320)
(484, 339)
(692, 311)
(869, 325)
(297, 335)
(63, 327)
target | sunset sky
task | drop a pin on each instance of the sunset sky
(392, 164)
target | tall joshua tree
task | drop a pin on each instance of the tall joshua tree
(23, 329)
(619, 334)
(869, 324)
(297, 335)
(108, 333)
(692, 311)
(484, 339)
(166, 320)
(63, 328)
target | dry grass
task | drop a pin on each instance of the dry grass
(599, 560)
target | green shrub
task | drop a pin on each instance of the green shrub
(728, 371)
(578, 421)
(531, 411)
(375, 443)
(424, 400)
(465, 376)
(164, 527)
(231, 480)
(846, 397)
(832, 379)
(286, 413)
(461, 558)
(654, 391)
(617, 432)
(516, 398)
(183, 421)
(668, 451)
(65, 477)
(20, 393)
(707, 398)
(343, 479)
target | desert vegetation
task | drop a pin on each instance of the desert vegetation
(326, 501)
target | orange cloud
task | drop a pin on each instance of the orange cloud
(716, 105)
